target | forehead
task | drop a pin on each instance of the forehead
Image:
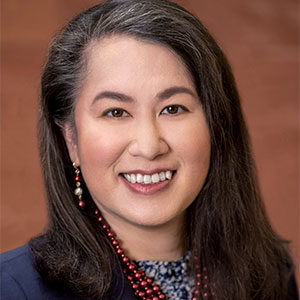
(115, 55)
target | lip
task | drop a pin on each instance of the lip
(148, 189)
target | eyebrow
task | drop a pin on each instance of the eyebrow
(166, 94)
(113, 95)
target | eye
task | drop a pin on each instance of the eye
(116, 113)
(174, 109)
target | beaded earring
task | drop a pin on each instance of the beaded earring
(78, 190)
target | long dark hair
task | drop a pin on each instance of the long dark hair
(227, 229)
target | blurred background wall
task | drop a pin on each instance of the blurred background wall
(260, 38)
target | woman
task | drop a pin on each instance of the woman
(149, 177)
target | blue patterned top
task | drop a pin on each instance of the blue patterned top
(171, 276)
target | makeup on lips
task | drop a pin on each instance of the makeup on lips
(148, 183)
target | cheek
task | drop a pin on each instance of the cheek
(197, 159)
(100, 149)
(199, 149)
(192, 147)
(191, 141)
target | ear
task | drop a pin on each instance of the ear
(70, 139)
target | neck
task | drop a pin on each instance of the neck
(162, 242)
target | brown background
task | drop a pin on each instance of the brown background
(260, 37)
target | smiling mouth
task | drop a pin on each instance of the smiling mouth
(149, 179)
(148, 184)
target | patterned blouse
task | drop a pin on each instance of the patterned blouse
(171, 276)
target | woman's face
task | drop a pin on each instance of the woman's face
(138, 117)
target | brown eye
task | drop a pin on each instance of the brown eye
(117, 113)
(173, 109)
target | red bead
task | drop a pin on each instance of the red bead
(129, 277)
(132, 267)
(155, 298)
(141, 294)
(137, 275)
(125, 259)
(144, 283)
(198, 275)
(135, 286)
(115, 242)
(110, 234)
(149, 292)
(205, 286)
(194, 298)
(149, 280)
(198, 283)
(205, 277)
(96, 212)
(105, 226)
(120, 251)
(196, 292)
(204, 269)
(81, 203)
(156, 288)
(205, 294)
(162, 296)
(77, 178)
(100, 219)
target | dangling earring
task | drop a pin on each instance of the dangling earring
(78, 190)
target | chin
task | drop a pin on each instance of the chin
(152, 220)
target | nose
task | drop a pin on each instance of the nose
(147, 141)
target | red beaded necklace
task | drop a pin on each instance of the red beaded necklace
(144, 286)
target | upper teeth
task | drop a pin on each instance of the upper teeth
(148, 179)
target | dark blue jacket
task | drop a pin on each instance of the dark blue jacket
(20, 281)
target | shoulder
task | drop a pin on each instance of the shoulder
(17, 262)
(17, 273)
(19, 278)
